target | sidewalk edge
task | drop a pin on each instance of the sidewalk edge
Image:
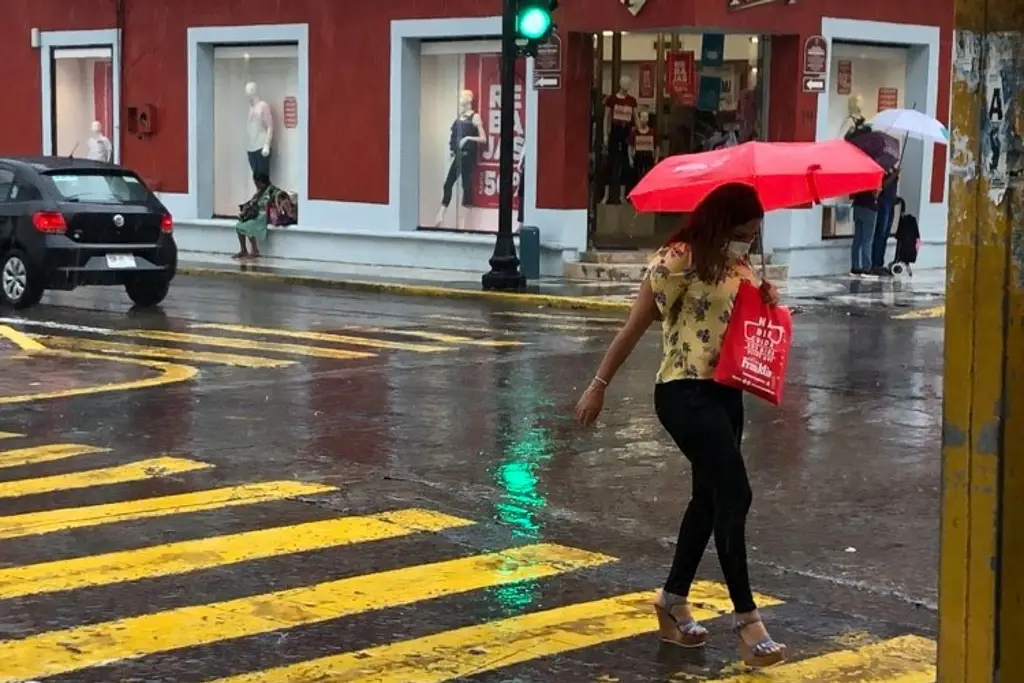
(545, 300)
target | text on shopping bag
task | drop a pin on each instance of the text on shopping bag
(755, 350)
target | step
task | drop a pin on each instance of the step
(634, 272)
(639, 256)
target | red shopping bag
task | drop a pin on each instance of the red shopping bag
(756, 346)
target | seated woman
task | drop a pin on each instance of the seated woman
(253, 216)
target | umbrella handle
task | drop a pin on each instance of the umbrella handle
(812, 182)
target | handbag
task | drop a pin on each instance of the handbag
(755, 350)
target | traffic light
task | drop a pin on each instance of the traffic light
(534, 24)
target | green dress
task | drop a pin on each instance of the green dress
(253, 215)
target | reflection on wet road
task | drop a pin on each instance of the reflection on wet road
(363, 488)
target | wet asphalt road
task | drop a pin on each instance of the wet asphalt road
(462, 409)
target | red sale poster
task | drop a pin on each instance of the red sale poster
(645, 81)
(888, 98)
(844, 79)
(681, 77)
(482, 76)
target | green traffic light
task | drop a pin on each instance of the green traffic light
(533, 23)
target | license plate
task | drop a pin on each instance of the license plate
(120, 261)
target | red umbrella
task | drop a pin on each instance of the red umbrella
(785, 175)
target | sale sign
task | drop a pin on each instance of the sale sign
(681, 77)
(483, 77)
(645, 82)
(844, 77)
(888, 98)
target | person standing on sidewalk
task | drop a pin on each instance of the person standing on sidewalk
(883, 221)
(865, 214)
(690, 287)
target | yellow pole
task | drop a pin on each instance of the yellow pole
(981, 591)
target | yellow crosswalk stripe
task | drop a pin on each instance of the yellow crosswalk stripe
(547, 325)
(239, 344)
(561, 318)
(441, 337)
(187, 556)
(122, 349)
(326, 337)
(58, 451)
(908, 659)
(67, 519)
(74, 649)
(120, 474)
(475, 649)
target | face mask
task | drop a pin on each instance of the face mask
(739, 249)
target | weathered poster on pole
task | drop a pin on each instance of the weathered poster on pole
(997, 119)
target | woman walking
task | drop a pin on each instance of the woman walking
(690, 287)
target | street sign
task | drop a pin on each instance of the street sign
(813, 84)
(549, 56)
(815, 56)
(547, 82)
(634, 6)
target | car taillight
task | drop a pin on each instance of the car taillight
(167, 223)
(49, 222)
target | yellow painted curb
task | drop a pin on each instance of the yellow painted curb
(546, 300)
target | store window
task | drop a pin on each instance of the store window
(863, 80)
(660, 94)
(83, 102)
(460, 126)
(255, 126)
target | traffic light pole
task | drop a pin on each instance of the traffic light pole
(504, 273)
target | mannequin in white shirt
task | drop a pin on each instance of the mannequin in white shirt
(99, 147)
(259, 131)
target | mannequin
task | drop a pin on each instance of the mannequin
(620, 111)
(854, 115)
(643, 146)
(259, 131)
(467, 133)
(99, 145)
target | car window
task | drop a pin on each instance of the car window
(99, 188)
(6, 183)
(24, 192)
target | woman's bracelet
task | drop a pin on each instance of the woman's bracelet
(602, 382)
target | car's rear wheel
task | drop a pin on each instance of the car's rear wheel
(20, 282)
(147, 290)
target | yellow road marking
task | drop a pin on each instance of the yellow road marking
(66, 519)
(11, 435)
(170, 373)
(561, 318)
(20, 339)
(135, 471)
(248, 344)
(546, 326)
(187, 556)
(327, 337)
(441, 337)
(119, 348)
(908, 659)
(463, 652)
(922, 313)
(74, 649)
(36, 454)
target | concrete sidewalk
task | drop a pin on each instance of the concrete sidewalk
(925, 289)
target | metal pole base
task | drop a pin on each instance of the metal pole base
(504, 274)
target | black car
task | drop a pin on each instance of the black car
(68, 222)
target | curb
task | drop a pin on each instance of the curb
(545, 300)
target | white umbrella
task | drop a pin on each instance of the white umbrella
(911, 122)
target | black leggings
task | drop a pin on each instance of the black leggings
(462, 166)
(706, 421)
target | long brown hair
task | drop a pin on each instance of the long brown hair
(712, 225)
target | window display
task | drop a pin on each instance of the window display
(83, 105)
(863, 80)
(254, 91)
(460, 126)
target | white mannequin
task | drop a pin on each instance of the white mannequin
(464, 160)
(613, 114)
(854, 114)
(260, 124)
(99, 145)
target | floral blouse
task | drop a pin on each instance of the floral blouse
(694, 314)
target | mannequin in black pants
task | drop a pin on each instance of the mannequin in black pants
(467, 132)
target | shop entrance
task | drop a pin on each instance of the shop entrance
(661, 94)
